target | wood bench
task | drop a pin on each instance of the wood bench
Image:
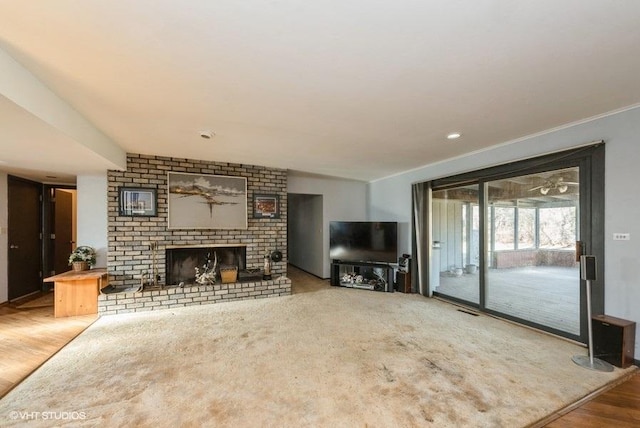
(76, 293)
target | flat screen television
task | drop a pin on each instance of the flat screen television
(363, 241)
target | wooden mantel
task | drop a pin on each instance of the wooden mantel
(76, 293)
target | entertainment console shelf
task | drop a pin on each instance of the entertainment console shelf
(367, 278)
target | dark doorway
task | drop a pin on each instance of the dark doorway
(25, 249)
(63, 230)
(58, 228)
(305, 229)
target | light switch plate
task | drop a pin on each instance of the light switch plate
(622, 237)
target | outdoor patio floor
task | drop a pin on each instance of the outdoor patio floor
(545, 295)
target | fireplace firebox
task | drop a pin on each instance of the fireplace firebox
(181, 262)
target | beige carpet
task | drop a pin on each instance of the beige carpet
(327, 357)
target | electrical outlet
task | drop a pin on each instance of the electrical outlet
(622, 237)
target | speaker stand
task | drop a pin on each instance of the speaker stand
(588, 361)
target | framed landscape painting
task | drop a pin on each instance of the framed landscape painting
(266, 206)
(204, 201)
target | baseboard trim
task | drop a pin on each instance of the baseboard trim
(310, 273)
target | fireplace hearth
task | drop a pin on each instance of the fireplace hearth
(182, 290)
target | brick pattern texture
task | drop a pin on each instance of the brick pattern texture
(129, 238)
(121, 303)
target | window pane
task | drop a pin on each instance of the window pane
(558, 227)
(536, 283)
(504, 232)
(456, 229)
(526, 228)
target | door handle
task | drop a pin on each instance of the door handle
(579, 250)
(13, 246)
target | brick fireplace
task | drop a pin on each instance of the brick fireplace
(134, 242)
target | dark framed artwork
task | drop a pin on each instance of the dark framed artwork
(266, 206)
(205, 201)
(135, 201)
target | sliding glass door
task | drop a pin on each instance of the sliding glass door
(456, 249)
(532, 225)
(504, 239)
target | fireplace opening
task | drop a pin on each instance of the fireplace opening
(181, 262)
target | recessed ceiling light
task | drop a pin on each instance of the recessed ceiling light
(207, 135)
(454, 135)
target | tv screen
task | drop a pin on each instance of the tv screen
(363, 241)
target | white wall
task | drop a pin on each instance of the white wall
(342, 200)
(92, 226)
(4, 243)
(392, 196)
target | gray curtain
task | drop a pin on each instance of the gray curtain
(420, 240)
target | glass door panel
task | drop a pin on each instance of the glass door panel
(532, 227)
(456, 249)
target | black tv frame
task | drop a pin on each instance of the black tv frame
(363, 251)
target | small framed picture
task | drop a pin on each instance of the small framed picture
(266, 206)
(138, 202)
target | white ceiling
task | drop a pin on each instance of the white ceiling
(353, 88)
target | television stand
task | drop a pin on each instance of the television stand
(363, 275)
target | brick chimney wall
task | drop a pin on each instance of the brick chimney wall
(129, 252)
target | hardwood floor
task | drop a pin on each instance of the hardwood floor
(30, 335)
(304, 282)
(617, 407)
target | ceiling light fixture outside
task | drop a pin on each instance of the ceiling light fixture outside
(207, 135)
(454, 136)
(555, 183)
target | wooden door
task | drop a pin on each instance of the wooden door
(63, 230)
(25, 249)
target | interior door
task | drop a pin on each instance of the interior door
(25, 255)
(63, 230)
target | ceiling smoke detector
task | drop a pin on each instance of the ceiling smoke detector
(207, 135)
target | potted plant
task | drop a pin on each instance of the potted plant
(82, 258)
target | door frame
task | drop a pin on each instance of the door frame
(591, 162)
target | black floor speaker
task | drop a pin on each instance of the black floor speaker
(613, 340)
(403, 282)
